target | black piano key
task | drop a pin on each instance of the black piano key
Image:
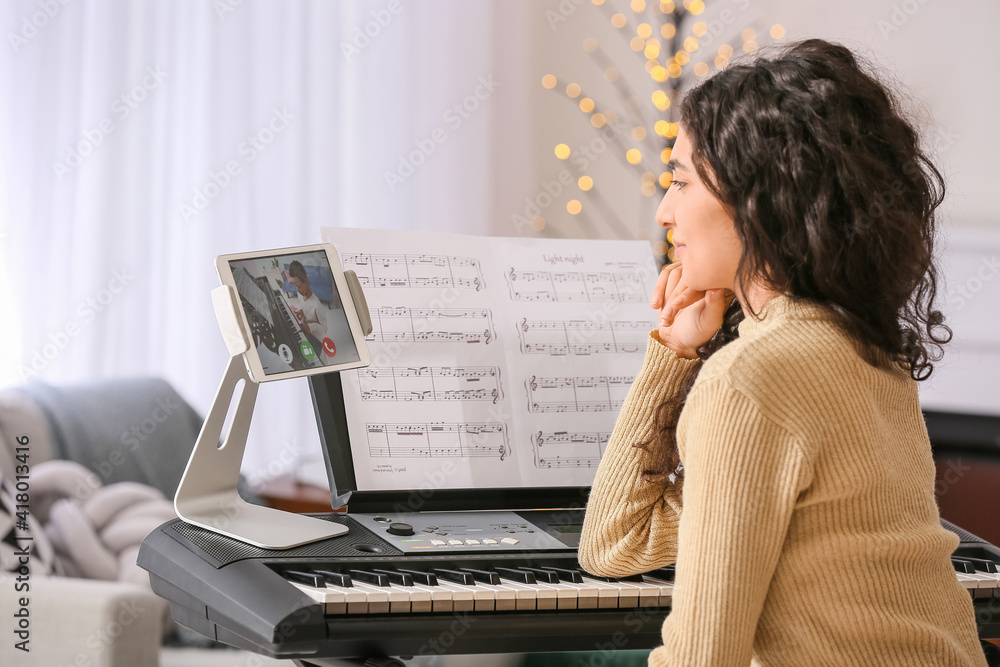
(370, 577)
(542, 575)
(455, 576)
(396, 577)
(337, 578)
(564, 575)
(520, 575)
(664, 573)
(963, 566)
(981, 564)
(307, 578)
(483, 576)
(425, 578)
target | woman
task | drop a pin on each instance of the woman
(809, 533)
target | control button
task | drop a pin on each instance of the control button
(489, 541)
(427, 530)
(431, 528)
(456, 543)
(438, 543)
(521, 525)
(441, 532)
(511, 531)
(504, 526)
(509, 540)
(529, 531)
(381, 519)
(472, 541)
(400, 529)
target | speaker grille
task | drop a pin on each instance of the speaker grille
(222, 550)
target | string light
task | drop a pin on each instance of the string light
(638, 133)
(633, 155)
(585, 183)
(574, 206)
(549, 81)
(618, 20)
(562, 151)
(573, 89)
(590, 45)
(598, 120)
(538, 224)
(644, 30)
(667, 31)
(665, 179)
(777, 31)
(586, 105)
(611, 74)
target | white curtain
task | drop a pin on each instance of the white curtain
(140, 139)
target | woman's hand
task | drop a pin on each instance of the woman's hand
(688, 318)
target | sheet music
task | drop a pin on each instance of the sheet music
(496, 362)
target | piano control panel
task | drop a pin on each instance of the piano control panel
(465, 532)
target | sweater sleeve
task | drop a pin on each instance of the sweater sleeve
(630, 526)
(743, 474)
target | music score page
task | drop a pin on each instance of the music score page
(496, 362)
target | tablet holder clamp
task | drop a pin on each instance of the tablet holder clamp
(207, 495)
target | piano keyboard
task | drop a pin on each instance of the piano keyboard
(467, 589)
(386, 589)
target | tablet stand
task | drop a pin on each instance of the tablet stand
(207, 495)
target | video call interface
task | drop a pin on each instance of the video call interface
(296, 314)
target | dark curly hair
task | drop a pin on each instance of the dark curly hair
(832, 197)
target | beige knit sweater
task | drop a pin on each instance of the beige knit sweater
(809, 533)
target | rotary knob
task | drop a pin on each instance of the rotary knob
(400, 529)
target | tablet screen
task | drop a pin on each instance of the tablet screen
(295, 311)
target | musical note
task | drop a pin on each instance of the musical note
(400, 323)
(562, 449)
(408, 271)
(430, 383)
(577, 394)
(562, 337)
(458, 440)
(621, 286)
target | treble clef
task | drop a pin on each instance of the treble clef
(513, 276)
(475, 281)
(496, 395)
(487, 335)
(532, 383)
(524, 324)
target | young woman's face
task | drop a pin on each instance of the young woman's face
(707, 245)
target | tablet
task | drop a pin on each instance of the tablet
(296, 307)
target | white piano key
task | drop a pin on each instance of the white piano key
(333, 600)
(607, 595)
(666, 589)
(649, 595)
(564, 596)
(400, 598)
(525, 595)
(441, 597)
(377, 597)
(463, 597)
